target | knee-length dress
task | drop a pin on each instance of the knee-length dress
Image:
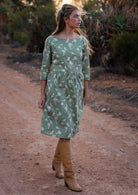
(65, 66)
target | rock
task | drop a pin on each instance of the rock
(45, 187)
(122, 150)
(103, 110)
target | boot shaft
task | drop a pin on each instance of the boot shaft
(65, 152)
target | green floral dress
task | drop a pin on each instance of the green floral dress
(65, 66)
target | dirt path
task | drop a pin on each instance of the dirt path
(104, 152)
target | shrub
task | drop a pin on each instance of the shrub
(3, 9)
(106, 24)
(32, 25)
(46, 19)
(20, 20)
(20, 27)
(120, 22)
(125, 50)
(43, 26)
(5, 30)
(6, 6)
(21, 37)
(89, 5)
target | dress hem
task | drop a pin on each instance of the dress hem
(58, 136)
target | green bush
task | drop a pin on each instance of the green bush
(5, 30)
(20, 20)
(33, 25)
(125, 50)
(20, 27)
(120, 22)
(43, 26)
(6, 6)
(3, 8)
(89, 5)
(46, 19)
(21, 37)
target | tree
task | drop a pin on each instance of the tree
(30, 23)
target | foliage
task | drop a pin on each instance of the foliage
(29, 23)
(3, 8)
(20, 20)
(21, 37)
(125, 50)
(9, 6)
(5, 30)
(120, 22)
(105, 23)
(43, 25)
(46, 14)
(6, 6)
(90, 5)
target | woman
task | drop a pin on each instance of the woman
(64, 79)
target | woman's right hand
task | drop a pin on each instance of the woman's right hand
(41, 103)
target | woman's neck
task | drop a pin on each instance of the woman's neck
(68, 33)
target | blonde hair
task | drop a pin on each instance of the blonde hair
(65, 12)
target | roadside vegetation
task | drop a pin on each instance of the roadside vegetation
(28, 23)
(111, 26)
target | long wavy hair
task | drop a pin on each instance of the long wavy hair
(65, 12)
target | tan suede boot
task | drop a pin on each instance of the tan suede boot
(57, 164)
(70, 181)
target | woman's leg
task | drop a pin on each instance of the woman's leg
(65, 152)
(57, 163)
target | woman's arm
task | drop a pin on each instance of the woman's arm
(41, 103)
(43, 87)
(45, 69)
(85, 91)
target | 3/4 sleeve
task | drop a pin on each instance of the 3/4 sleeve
(46, 61)
(86, 62)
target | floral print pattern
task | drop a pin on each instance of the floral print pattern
(65, 66)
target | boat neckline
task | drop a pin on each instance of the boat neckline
(66, 39)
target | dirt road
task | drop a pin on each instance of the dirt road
(104, 152)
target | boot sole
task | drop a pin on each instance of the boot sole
(72, 189)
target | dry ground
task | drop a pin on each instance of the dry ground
(104, 152)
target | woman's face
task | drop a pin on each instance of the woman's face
(74, 19)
